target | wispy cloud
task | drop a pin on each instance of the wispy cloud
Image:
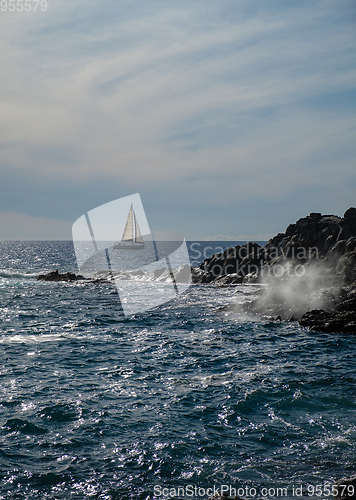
(228, 105)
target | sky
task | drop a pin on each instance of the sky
(231, 118)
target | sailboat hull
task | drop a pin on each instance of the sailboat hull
(129, 246)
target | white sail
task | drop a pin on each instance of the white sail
(138, 235)
(132, 236)
(128, 231)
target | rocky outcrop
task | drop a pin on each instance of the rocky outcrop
(342, 319)
(56, 276)
(181, 275)
(326, 239)
(231, 266)
(318, 250)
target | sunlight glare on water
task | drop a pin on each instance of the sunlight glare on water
(98, 405)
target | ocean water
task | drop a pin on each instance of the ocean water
(94, 404)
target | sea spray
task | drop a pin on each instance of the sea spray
(292, 289)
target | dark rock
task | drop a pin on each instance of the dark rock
(290, 230)
(314, 318)
(346, 488)
(56, 276)
(324, 243)
(313, 238)
(347, 305)
(343, 320)
(236, 261)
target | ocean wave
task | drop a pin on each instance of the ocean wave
(98, 405)
(15, 274)
(24, 426)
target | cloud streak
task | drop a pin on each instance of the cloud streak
(218, 105)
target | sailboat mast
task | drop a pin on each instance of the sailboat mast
(134, 228)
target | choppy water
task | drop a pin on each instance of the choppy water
(96, 405)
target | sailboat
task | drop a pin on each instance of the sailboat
(132, 238)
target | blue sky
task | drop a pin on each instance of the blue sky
(233, 117)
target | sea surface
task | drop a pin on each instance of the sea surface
(94, 404)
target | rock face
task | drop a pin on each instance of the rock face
(320, 248)
(323, 238)
(313, 239)
(231, 266)
(342, 319)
